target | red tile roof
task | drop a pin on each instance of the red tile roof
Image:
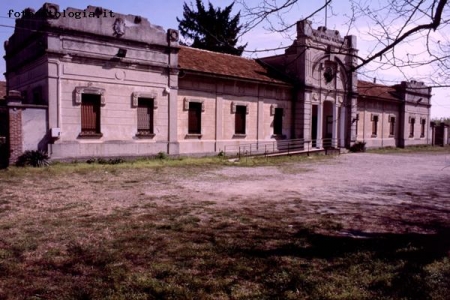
(204, 61)
(2, 89)
(374, 90)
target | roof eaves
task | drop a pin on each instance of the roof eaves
(224, 76)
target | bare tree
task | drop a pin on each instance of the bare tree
(405, 34)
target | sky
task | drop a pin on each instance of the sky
(164, 13)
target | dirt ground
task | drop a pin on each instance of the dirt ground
(367, 192)
(364, 192)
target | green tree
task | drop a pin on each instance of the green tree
(213, 29)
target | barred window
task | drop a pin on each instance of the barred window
(90, 115)
(145, 116)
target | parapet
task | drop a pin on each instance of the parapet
(92, 20)
(324, 35)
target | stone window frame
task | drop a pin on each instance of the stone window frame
(374, 118)
(79, 90)
(78, 100)
(186, 102)
(151, 95)
(135, 96)
(234, 105)
(273, 106)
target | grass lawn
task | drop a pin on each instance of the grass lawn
(81, 231)
(410, 149)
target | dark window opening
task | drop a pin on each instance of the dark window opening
(195, 118)
(374, 126)
(90, 114)
(411, 127)
(37, 96)
(278, 121)
(392, 126)
(241, 111)
(422, 127)
(145, 116)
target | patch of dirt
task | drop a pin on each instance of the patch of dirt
(366, 192)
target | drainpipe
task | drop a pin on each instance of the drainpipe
(58, 98)
(382, 125)
(168, 94)
(364, 122)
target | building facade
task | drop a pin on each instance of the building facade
(110, 84)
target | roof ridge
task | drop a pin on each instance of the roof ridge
(219, 53)
(379, 84)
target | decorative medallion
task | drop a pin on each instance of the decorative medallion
(119, 27)
(315, 96)
(120, 74)
(173, 35)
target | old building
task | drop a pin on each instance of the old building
(394, 116)
(109, 84)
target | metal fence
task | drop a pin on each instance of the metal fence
(287, 147)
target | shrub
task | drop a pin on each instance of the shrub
(116, 161)
(91, 161)
(102, 161)
(358, 147)
(161, 155)
(34, 158)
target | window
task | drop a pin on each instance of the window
(278, 121)
(145, 116)
(37, 95)
(422, 127)
(391, 126)
(195, 118)
(412, 121)
(90, 115)
(374, 125)
(239, 124)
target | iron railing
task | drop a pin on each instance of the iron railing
(287, 147)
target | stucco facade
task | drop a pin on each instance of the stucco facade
(117, 85)
(395, 116)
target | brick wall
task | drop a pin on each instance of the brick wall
(15, 134)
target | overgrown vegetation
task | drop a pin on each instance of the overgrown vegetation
(162, 155)
(358, 147)
(33, 158)
(103, 161)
